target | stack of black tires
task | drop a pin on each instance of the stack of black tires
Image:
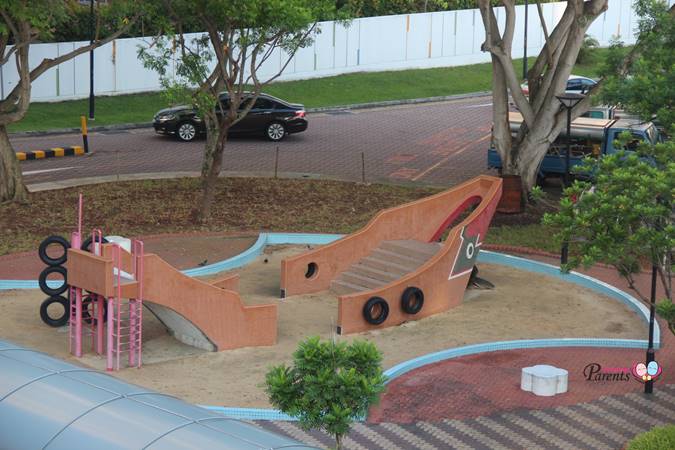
(55, 294)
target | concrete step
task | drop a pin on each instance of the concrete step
(339, 287)
(402, 260)
(384, 265)
(363, 267)
(414, 249)
(360, 279)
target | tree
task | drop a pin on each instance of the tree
(543, 118)
(644, 80)
(329, 385)
(626, 219)
(240, 36)
(22, 23)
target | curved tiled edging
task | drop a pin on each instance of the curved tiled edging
(264, 239)
(484, 256)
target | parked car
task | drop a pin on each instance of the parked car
(575, 85)
(271, 117)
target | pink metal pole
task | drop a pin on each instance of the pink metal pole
(109, 346)
(79, 216)
(78, 322)
(117, 250)
(132, 332)
(100, 301)
(139, 277)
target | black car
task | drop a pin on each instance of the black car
(269, 116)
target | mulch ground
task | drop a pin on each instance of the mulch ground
(170, 206)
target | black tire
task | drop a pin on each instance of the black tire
(412, 300)
(186, 131)
(58, 321)
(275, 131)
(87, 303)
(87, 243)
(370, 306)
(45, 258)
(42, 281)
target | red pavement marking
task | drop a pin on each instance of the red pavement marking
(402, 158)
(403, 173)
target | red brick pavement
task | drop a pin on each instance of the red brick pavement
(488, 383)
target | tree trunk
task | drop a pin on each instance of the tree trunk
(213, 163)
(11, 180)
(338, 442)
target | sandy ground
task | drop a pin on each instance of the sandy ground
(523, 305)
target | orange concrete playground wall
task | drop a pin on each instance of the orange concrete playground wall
(424, 220)
(419, 220)
(218, 313)
(215, 308)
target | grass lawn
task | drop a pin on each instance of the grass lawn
(139, 208)
(347, 89)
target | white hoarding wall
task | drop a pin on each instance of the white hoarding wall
(440, 39)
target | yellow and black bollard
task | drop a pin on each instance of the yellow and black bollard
(85, 140)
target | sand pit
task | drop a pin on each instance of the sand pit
(523, 305)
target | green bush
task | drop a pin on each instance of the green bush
(658, 438)
(329, 385)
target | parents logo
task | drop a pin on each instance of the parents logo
(595, 372)
(643, 373)
(639, 371)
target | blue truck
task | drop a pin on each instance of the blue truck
(589, 136)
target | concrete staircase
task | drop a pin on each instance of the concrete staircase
(388, 262)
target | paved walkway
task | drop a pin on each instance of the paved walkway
(606, 423)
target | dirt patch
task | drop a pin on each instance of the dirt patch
(523, 305)
(137, 208)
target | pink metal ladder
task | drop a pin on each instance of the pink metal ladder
(125, 316)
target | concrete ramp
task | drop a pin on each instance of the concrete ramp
(394, 269)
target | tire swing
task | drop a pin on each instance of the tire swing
(45, 258)
(87, 243)
(412, 300)
(54, 321)
(376, 310)
(42, 281)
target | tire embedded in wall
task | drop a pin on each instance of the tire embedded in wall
(371, 306)
(412, 300)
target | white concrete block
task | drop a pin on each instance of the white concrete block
(544, 380)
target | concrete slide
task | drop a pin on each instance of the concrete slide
(395, 269)
(208, 315)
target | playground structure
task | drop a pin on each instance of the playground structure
(119, 283)
(396, 256)
(394, 270)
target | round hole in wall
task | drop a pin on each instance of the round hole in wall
(312, 270)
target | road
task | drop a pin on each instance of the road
(433, 143)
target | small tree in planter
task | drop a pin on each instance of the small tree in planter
(626, 218)
(329, 385)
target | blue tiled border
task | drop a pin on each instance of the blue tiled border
(484, 256)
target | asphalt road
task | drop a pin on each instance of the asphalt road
(435, 143)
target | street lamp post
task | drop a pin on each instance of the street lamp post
(525, 44)
(569, 101)
(649, 385)
(91, 60)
